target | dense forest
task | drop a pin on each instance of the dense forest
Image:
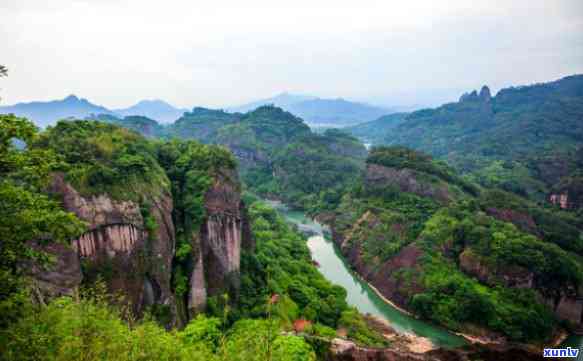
(125, 239)
(526, 139)
(278, 285)
(464, 256)
(279, 156)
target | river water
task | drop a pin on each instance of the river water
(359, 293)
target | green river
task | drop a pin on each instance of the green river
(359, 293)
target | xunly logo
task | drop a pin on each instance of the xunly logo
(561, 352)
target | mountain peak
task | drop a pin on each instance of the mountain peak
(152, 102)
(485, 93)
(71, 98)
(156, 109)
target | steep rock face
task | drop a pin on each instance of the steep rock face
(118, 248)
(137, 263)
(60, 278)
(512, 276)
(406, 180)
(217, 248)
(249, 158)
(344, 350)
(568, 194)
(523, 221)
(568, 307)
(381, 276)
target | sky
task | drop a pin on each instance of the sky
(219, 53)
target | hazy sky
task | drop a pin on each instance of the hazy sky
(216, 52)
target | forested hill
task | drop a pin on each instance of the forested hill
(279, 156)
(524, 139)
(480, 261)
(318, 111)
(374, 132)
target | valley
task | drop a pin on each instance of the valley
(429, 245)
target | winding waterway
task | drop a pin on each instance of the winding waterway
(359, 293)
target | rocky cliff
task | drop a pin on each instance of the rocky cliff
(425, 239)
(117, 247)
(345, 350)
(217, 247)
(136, 262)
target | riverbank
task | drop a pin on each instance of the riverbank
(361, 295)
(327, 220)
(482, 340)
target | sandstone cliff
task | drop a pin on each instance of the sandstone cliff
(217, 247)
(135, 259)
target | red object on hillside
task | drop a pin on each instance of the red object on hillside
(301, 324)
(274, 298)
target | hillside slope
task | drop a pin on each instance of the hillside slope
(484, 262)
(375, 131)
(525, 139)
(318, 111)
(279, 156)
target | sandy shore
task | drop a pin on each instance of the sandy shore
(383, 297)
(471, 338)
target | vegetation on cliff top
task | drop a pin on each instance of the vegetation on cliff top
(277, 153)
(474, 251)
(524, 139)
(105, 158)
(90, 328)
(282, 266)
(100, 158)
(27, 214)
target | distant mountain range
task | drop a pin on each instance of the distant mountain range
(48, 113)
(525, 139)
(154, 109)
(320, 112)
(315, 111)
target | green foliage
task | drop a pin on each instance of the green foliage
(375, 131)
(105, 158)
(259, 340)
(139, 124)
(191, 168)
(315, 168)
(401, 157)
(25, 213)
(358, 330)
(455, 300)
(88, 330)
(521, 140)
(559, 227)
(200, 124)
(203, 329)
(282, 265)
(524, 239)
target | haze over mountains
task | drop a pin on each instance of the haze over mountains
(47, 113)
(155, 109)
(315, 111)
(319, 111)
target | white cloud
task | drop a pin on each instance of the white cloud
(224, 52)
